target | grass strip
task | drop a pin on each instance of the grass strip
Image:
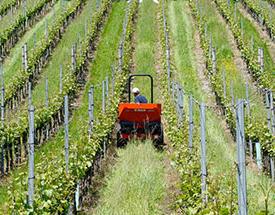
(145, 40)
(136, 184)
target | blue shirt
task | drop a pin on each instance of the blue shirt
(140, 99)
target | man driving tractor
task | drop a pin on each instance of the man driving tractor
(140, 99)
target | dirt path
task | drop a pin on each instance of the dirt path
(200, 64)
(91, 200)
(261, 30)
(238, 60)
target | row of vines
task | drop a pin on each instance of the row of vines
(6, 5)
(14, 134)
(262, 15)
(9, 36)
(54, 188)
(186, 161)
(255, 130)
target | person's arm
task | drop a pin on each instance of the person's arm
(136, 99)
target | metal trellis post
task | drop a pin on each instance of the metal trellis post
(31, 157)
(60, 79)
(103, 97)
(203, 153)
(191, 123)
(66, 125)
(242, 193)
(91, 110)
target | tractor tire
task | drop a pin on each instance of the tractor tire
(120, 141)
(159, 141)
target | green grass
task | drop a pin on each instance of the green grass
(107, 53)
(221, 151)
(135, 185)
(182, 55)
(13, 62)
(146, 38)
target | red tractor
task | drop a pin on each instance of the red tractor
(139, 121)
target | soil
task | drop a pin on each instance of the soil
(172, 184)
(206, 85)
(238, 60)
(99, 182)
(201, 65)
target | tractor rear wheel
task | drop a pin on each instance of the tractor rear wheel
(120, 141)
